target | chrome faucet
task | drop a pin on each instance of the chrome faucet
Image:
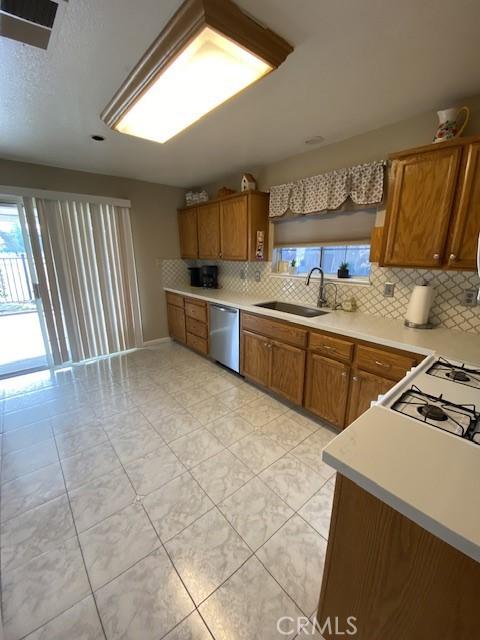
(321, 301)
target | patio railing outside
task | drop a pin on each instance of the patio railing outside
(16, 292)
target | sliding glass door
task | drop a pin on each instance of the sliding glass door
(23, 338)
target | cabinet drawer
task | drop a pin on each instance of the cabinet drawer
(175, 299)
(197, 311)
(198, 328)
(199, 344)
(387, 364)
(273, 329)
(331, 347)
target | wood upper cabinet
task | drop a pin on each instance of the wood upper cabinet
(422, 190)
(326, 392)
(234, 228)
(225, 228)
(287, 371)
(176, 322)
(257, 356)
(208, 220)
(464, 233)
(187, 230)
(364, 389)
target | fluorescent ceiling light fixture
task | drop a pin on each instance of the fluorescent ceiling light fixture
(208, 52)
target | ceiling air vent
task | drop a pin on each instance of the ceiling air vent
(28, 21)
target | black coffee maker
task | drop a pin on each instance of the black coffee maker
(195, 277)
(209, 276)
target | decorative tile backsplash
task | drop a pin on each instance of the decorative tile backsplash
(447, 311)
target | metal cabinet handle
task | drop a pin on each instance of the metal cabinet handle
(325, 346)
(383, 364)
(452, 257)
(436, 256)
(344, 374)
(355, 378)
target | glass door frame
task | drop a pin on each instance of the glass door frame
(17, 201)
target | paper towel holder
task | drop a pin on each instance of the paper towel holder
(414, 325)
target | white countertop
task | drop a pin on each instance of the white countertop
(455, 345)
(428, 475)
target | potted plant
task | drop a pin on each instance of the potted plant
(293, 265)
(343, 270)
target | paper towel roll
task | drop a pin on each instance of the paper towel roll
(420, 304)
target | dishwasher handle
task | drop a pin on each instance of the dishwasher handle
(225, 309)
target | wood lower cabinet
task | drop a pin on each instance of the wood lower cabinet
(364, 389)
(187, 231)
(287, 371)
(208, 219)
(257, 357)
(176, 322)
(462, 247)
(398, 580)
(196, 320)
(326, 393)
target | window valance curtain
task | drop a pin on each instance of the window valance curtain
(363, 184)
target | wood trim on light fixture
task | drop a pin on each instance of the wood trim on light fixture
(194, 15)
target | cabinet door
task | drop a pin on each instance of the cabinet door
(234, 228)
(422, 188)
(176, 322)
(187, 230)
(288, 371)
(462, 249)
(365, 388)
(208, 220)
(327, 388)
(257, 355)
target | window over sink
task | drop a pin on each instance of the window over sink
(299, 260)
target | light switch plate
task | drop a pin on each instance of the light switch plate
(389, 290)
(469, 297)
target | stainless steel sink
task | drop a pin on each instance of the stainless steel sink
(296, 309)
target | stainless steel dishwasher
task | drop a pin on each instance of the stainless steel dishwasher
(225, 335)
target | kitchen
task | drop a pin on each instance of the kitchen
(336, 364)
(253, 257)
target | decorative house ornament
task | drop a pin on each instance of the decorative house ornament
(363, 184)
(248, 182)
(209, 51)
(450, 123)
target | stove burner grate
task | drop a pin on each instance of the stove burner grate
(457, 373)
(460, 420)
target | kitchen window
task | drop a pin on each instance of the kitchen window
(299, 260)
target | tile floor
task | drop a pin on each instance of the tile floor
(155, 495)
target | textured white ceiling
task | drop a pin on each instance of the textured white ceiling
(357, 65)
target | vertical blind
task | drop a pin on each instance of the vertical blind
(85, 263)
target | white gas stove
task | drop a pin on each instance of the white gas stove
(441, 394)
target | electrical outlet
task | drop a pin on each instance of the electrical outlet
(469, 297)
(258, 276)
(389, 290)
